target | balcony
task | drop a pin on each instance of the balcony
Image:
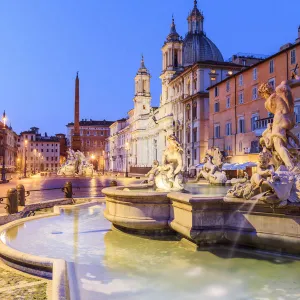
(261, 125)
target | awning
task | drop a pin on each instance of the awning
(236, 166)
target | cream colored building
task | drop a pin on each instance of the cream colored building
(189, 67)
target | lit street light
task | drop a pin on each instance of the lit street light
(126, 149)
(25, 157)
(103, 162)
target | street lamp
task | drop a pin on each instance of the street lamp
(126, 148)
(25, 160)
(103, 163)
(34, 160)
(3, 176)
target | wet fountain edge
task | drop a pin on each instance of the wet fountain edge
(204, 220)
(51, 268)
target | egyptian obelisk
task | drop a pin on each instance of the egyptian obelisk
(76, 143)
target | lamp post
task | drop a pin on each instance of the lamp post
(3, 174)
(25, 157)
(103, 162)
(34, 160)
(126, 149)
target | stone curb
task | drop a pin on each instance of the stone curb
(41, 266)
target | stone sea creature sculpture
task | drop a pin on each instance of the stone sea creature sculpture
(212, 168)
(169, 175)
(76, 164)
(277, 180)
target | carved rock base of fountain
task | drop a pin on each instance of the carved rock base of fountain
(207, 221)
(137, 209)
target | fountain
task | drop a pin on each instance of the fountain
(76, 165)
(155, 226)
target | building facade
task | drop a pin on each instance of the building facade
(37, 153)
(92, 136)
(189, 67)
(237, 112)
(8, 144)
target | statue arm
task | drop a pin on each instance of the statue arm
(294, 82)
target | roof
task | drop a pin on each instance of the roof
(91, 123)
(211, 64)
(197, 46)
(256, 64)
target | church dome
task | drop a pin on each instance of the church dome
(196, 45)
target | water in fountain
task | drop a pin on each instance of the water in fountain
(112, 265)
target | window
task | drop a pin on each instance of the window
(241, 98)
(254, 74)
(293, 56)
(195, 135)
(271, 66)
(254, 93)
(216, 91)
(241, 80)
(47, 158)
(194, 111)
(228, 102)
(297, 113)
(42, 150)
(227, 86)
(217, 106)
(254, 118)
(244, 62)
(228, 129)
(272, 82)
(241, 125)
(217, 131)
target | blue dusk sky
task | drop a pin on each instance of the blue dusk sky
(44, 43)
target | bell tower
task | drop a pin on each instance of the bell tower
(171, 59)
(142, 95)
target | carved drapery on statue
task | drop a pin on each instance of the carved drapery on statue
(278, 173)
(76, 164)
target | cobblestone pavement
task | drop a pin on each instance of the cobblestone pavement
(16, 285)
(82, 187)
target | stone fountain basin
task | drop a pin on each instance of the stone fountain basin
(204, 220)
(137, 208)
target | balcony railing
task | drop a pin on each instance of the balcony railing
(263, 123)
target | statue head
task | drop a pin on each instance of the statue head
(265, 90)
(155, 163)
(264, 157)
(173, 144)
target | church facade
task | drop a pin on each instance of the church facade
(190, 66)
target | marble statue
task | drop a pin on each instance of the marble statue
(212, 168)
(169, 176)
(76, 164)
(277, 179)
(153, 172)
